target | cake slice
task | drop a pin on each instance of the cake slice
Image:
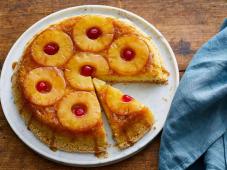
(129, 119)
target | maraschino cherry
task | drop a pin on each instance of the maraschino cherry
(43, 86)
(79, 110)
(51, 48)
(87, 70)
(127, 54)
(93, 33)
(126, 98)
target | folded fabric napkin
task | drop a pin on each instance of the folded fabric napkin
(195, 133)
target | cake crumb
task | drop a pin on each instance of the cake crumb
(165, 99)
(14, 65)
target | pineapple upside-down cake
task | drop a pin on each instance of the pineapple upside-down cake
(59, 82)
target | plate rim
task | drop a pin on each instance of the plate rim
(68, 162)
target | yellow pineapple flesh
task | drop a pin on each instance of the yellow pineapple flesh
(73, 70)
(93, 21)
(115, 101)
(82, 122)
(63, 52)
(135, 64)
(51, 75)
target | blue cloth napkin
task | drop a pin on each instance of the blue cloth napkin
(195, 136)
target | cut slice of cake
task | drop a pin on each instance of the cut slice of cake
(129, 119)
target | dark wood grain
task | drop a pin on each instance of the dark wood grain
(186, 25)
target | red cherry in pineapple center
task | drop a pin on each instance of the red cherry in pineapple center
(127, 98)
(43, 86)
(79, 109)
(127, 54)
(93, 33)
(87, 70)
(51, 48)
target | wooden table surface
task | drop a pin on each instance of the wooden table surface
(186, 24)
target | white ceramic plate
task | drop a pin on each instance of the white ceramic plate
(157, 97)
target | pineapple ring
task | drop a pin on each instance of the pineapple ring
(133, 66)
(72, 71)
(79, 123)
(114, 102)
(52, 36)
(49, 74)
(91, 21)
